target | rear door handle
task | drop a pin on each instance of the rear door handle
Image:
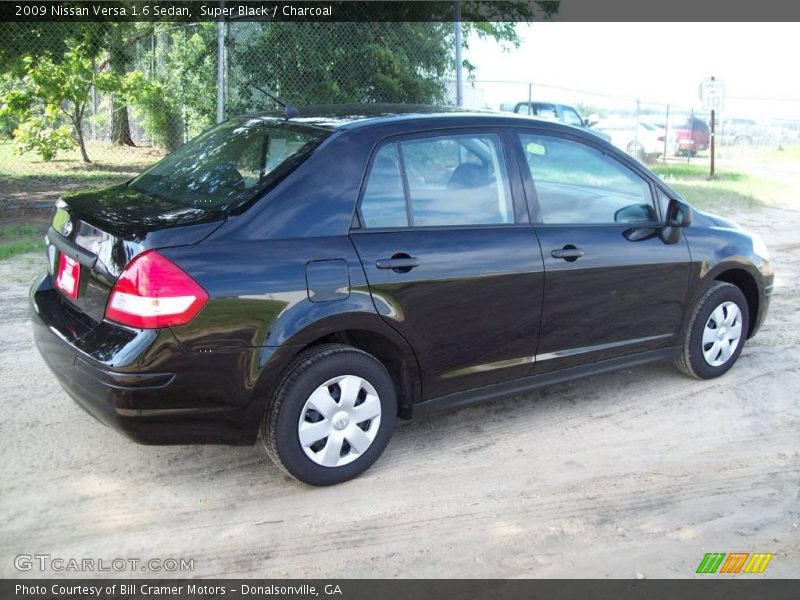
(569, 253)
(400, 263)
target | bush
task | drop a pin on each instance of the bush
(40, 135)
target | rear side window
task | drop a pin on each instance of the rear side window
(438, 181)
(384, 202)
(577, 184)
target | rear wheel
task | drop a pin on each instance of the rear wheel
(332, 415)
(742, 141)
(716, 333)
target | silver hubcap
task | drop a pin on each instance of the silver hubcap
(722, 334)
(339, 421)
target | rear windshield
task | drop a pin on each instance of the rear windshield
(693, 124)
(230, 164)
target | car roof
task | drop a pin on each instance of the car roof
(349, 116)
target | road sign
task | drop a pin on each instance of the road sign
(712, 93)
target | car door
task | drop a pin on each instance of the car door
(613, 285)
(451, 259)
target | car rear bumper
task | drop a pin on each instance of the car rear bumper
(693, 145)
(141, 383)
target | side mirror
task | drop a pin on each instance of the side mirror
(679, 214)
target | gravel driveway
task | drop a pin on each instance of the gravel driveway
(637, 473)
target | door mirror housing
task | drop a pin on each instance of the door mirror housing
(679, 214)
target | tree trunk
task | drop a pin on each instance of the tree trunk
(77, 120)
(120, 125)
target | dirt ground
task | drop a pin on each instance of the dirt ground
(633, 474)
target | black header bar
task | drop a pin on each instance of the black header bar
(402, 10)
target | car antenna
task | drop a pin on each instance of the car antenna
(289, 111)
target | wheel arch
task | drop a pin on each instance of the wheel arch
(368, 332)
(746, 282)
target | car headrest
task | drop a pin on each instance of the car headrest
(468, 175)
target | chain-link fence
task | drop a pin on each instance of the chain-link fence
(149, 87)
(650, 129)
(152, 86)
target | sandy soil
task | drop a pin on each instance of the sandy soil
(637, 473)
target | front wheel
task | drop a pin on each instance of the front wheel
(636, 150)
(332, 415)
(716, 333)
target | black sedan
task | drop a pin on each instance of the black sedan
(307, 278)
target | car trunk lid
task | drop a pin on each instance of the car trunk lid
(94, 235)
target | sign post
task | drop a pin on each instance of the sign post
(712, 93)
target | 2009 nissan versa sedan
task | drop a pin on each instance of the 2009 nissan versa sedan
(309, 279)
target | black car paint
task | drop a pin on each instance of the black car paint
(294, 269)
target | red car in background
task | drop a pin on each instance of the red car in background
(693, 134)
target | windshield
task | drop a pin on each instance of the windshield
(229, 164)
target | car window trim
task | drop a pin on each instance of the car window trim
(401, 165)
(519, 204)
(530, 188)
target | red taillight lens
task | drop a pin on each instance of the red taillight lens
(153, 292)
(661, 138)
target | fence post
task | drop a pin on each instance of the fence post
(459, 60)
(666, 136)
(221, 66)
(636, 135)
(691, 138)
(530, 98)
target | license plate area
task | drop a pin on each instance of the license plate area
(68, 276)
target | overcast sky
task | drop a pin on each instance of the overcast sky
(663, 62)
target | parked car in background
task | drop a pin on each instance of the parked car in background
(643, 140)
(693, 134)
(558, 112)
(306, 281)
(743, 132)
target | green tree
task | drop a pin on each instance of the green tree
(182, 98)
(323, 62)
(49, 88)
(118, 42)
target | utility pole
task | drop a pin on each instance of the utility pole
(459, 60)
(221, 65)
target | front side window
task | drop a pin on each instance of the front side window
(437, 181)
(577, 184)
(228, 164)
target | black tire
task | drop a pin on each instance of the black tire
(636, 150)
(692, 361)
(310, 370)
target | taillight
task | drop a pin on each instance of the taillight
(661, 138)
(153, 292)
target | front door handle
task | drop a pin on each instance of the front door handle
(569, 253)
(399, 263)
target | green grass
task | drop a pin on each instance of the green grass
(19, 239)
(28, 177)
(728, 190)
